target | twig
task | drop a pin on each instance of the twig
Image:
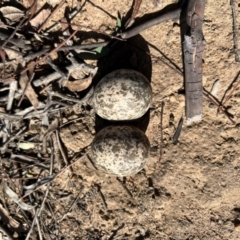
(235, 30)
(33, 223)
(27, 160)
(55, 67)
(21, 43)
(178, 131)
(161, 131)
(98, 189)
(25, 89)
(136, 6)
(66, 48)
(15, 30)
(39, 229)
(95, 30)
(48, 184)
(234, 88)
(19, 132)
(72, 205)
(220, 107)
(125, 187)
(73, 120)
(56, 75)
(67, 98)
(53, 51)
(52, 13)
(10, 116)
(91, 161)
(150, 23)
(61, 148)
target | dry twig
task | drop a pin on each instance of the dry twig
(235, 30)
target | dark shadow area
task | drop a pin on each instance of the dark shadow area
(182, 32)
(131, 54)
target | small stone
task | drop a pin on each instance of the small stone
(172, 98)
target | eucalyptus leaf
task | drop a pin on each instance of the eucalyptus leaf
(14, 197)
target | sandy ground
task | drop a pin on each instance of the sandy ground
(192, 192)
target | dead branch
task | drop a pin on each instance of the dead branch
(150, 23)
(193, 47)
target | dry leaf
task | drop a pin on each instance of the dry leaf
(12, 222)
(12, 14)
(30, 93)
(12, 54)
(78, 85)
(14, 197)
(26, 145)
(40, 18)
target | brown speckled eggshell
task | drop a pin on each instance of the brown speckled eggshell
(120, 150)
(124, 94)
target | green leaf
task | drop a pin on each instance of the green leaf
(119, 22)
(98, 50)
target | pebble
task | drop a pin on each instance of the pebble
(172, 98)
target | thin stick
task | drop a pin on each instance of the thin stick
(161, 131)
(150, 23)
(52, 13)
(15, 30)
(97, 187)
(61, 148)
(136, 6)
(234, 88)
(33, 223)
(72, 205)
(235, 30)
(28, 83)
(48, 184)
(95, 30)
(221, 107)
(125, 187)
(39, 229)
(4, 145)
(53, 51)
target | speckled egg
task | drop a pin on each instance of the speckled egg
(120, 150)
(124, 94)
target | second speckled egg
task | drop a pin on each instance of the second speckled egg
(120, 150)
